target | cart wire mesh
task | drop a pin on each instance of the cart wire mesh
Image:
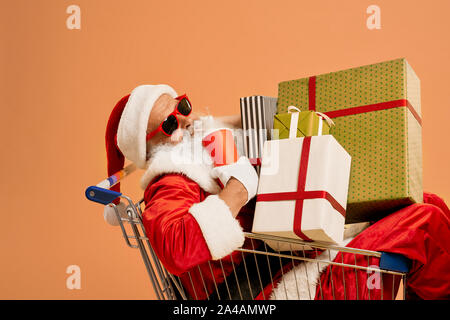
(251, 282)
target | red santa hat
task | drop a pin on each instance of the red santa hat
(126, 132)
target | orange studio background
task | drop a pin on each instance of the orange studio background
(58, 86)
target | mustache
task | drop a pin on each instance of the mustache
(198, 127)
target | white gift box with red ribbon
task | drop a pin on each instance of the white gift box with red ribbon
(302, 190)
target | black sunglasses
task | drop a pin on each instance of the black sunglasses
(170, 124)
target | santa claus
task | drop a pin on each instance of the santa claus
(196, 214)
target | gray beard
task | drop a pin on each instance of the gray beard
(190, 147)
(191, 142)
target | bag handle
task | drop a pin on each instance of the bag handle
(294, 121)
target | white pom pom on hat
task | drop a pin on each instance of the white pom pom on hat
(110, 216)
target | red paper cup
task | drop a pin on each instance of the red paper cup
(220, 145)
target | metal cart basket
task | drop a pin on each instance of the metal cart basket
(249, 284)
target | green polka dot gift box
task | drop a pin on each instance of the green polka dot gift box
(377, 116)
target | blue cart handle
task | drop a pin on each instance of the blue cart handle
(101, 195)
(394, 262)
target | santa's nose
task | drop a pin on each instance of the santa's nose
(186, 122)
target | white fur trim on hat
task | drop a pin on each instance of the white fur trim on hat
(132, 128)
(222, 232)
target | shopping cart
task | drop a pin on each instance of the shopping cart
(350, 278)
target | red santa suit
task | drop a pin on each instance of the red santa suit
(190, 228)
(420, 232)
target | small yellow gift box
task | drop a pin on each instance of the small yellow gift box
(296, 123)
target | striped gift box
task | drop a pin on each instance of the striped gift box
(257, 114)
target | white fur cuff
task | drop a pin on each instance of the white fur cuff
(243, 171)
(223, 233)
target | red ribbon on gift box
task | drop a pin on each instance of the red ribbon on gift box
(255, 161)
(300, 195)
(360, 109)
